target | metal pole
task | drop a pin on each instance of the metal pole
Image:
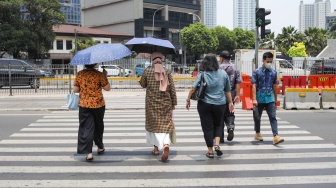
(153, 19)
(196, 16)
(255, 64)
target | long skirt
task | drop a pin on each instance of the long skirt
(91, 128)
(158, 139)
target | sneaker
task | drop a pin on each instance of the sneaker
(230, 135)
(258, 137)
(277, 140)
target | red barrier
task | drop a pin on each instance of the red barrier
(246, 78)
(293, 82)
(194, 73)
(322, 81)
(246, 96)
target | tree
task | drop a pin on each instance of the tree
(43, 16)
(268, 41)
(315, 40)
(226, 38)
(84, 43)
(297, 50)
(13, 35)
(245, 39)
(198, 39)
(286, 39)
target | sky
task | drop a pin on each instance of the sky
(283, 13)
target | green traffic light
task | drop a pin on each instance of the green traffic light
(259, 22)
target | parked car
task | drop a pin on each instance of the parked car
(22, 73)
(326, 67)
(140, 67)
(178, 68)
(115, 70)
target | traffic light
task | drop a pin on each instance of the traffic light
(261, 22)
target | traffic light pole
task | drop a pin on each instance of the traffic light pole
(255, 63)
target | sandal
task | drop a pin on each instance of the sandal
(155, 152)
(89, 159)
(165, 153)
(210, 155)
(218, 151)
(100, 151)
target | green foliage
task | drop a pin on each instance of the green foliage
(298, 50)
(34, 35)
(245, 39)
(198, 39)
(315, 40)
(84, 43)
(268, 41)
(286, 39)
(226, 38)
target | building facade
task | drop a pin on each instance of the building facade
(71, 9)
(210, 13)
(330, 20)
(244, 14)
(162, 19)
(313, 15)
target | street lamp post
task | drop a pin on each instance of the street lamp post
(153, 19)
(196, 16)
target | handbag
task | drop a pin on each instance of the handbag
(200, 89)
(72, 101)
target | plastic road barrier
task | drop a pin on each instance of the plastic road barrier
(302, 99)
(293, 82)
(328, 98)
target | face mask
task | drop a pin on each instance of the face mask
(268, 65)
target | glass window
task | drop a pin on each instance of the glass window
(68, 44)
(59, 44)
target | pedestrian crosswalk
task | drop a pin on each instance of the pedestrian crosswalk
(43, 154)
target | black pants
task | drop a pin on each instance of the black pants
(91, 128)
(228, 117)
(211, 120)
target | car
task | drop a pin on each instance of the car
(285, 68)
(178, 68)
(327, 66)
(115, 70)
(140, 67)
(22, 73)
(47, 73)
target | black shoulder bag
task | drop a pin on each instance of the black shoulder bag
(200, 89)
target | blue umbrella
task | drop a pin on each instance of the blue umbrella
(150, 45)
(100, 53)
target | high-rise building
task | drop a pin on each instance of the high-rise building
(331, 20)
(71, 9)
(244, 14)
(210, 13)
(313, 15)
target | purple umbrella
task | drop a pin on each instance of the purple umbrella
(100, 53)
(150, 45)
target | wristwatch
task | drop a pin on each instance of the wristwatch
(187, 100)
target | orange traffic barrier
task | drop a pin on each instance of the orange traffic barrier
(293, 82)
(246, 96)
(322, 81)
(246, 78)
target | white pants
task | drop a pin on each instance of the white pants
(158, 139)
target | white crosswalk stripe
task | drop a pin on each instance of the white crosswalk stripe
(47, 148)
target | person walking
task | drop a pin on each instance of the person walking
(89, 83)
(160, 102)
(213, 106)
(235, 80)
(264, 95)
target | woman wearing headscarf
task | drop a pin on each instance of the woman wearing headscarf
(160, 103)
(211, 109)
(89, 83)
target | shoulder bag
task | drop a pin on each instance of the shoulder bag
(200, 89)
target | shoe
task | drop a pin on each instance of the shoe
(165, 154)
(221, 141)
(258, 137)
(210, 155)
(100, 151)
(218, 151)
(230, 135)
(277, 140)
